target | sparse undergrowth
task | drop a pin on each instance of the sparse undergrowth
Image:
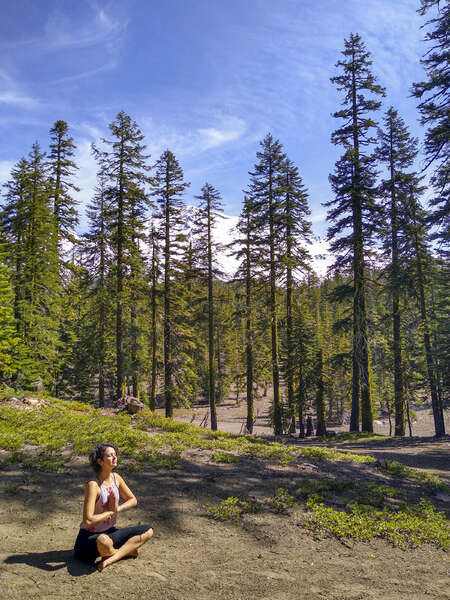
(77, 427)
(410, 526)
(367, 513)
(400, 471)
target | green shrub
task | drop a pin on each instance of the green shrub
(281, 500)
(224, 457)
(409, 527)
(401, 471)
(228, 509)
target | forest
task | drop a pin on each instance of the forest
(138, 305)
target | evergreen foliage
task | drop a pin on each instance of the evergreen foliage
(353, 184)
(137, 304)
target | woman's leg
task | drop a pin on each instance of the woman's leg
(129, 548)
(105, 545)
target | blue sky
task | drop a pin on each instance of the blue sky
(205, 78)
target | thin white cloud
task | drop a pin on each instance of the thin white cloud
(15, 98)
(5, 170)
(193, 141)
(10, 93)
(86, 74)
(318, 217)
(212, 137)
(60, 33)
(86, 177)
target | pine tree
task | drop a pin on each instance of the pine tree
(11, 349)
(416, 237)
(154, 273)
(32, 243)
(296, 230)
(353, 183)
(266, 193)
(397, 149)
(169, 187)
(98, 263)
(62, 170)
(303, 358)
(434, 100)
(210, 202)
(245, 253)
(125, 168)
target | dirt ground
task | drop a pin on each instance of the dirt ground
(231, 416)
(191, 557)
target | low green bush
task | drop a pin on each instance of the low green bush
(281, 501)
(228, 509)
(224, 457)
(410, 526)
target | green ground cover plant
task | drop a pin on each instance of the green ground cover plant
(224, 457)
(410, 526)
(400, 471)
(78, 426)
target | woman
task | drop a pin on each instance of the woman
(98, 535)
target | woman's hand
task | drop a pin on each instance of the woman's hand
(113, 503)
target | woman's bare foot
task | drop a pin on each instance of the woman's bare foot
(100, 565)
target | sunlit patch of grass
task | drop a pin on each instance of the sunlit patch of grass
(400, 471)
(410, 526)
(224, 457)
(281, 501)
(371, 494)
(322, 453)
(232, 507)
(155, 459)
(227, 510)
(353, 436)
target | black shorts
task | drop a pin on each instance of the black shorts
(86, 543)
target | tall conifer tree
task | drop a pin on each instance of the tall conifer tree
(296, 230)
(353, 183)
(397, 149)
(434, 100)
(266, 192)
(169, 188)
(210, 202)
(62, 171)
(124, 165)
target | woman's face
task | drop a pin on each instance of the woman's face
(109, 458)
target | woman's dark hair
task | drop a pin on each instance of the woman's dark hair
(99, 452)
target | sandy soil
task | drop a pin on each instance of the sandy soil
(264, 556)
(231, 416)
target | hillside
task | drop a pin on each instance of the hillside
(234, 517)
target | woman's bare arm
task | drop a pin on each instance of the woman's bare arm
(126, 494)
(90, 497)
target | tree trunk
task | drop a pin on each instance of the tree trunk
(249, 342)
(212, 382)
(321, 427)
(153, 342)
(360, 318)
(397, 341)
(301, 402)
(120, 384)
(167, 316)
(277, 416)
(438, 413)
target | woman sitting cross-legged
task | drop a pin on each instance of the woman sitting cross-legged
(98, 535)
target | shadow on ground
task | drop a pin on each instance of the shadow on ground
(52, 561)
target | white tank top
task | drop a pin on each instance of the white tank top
(101, 506)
